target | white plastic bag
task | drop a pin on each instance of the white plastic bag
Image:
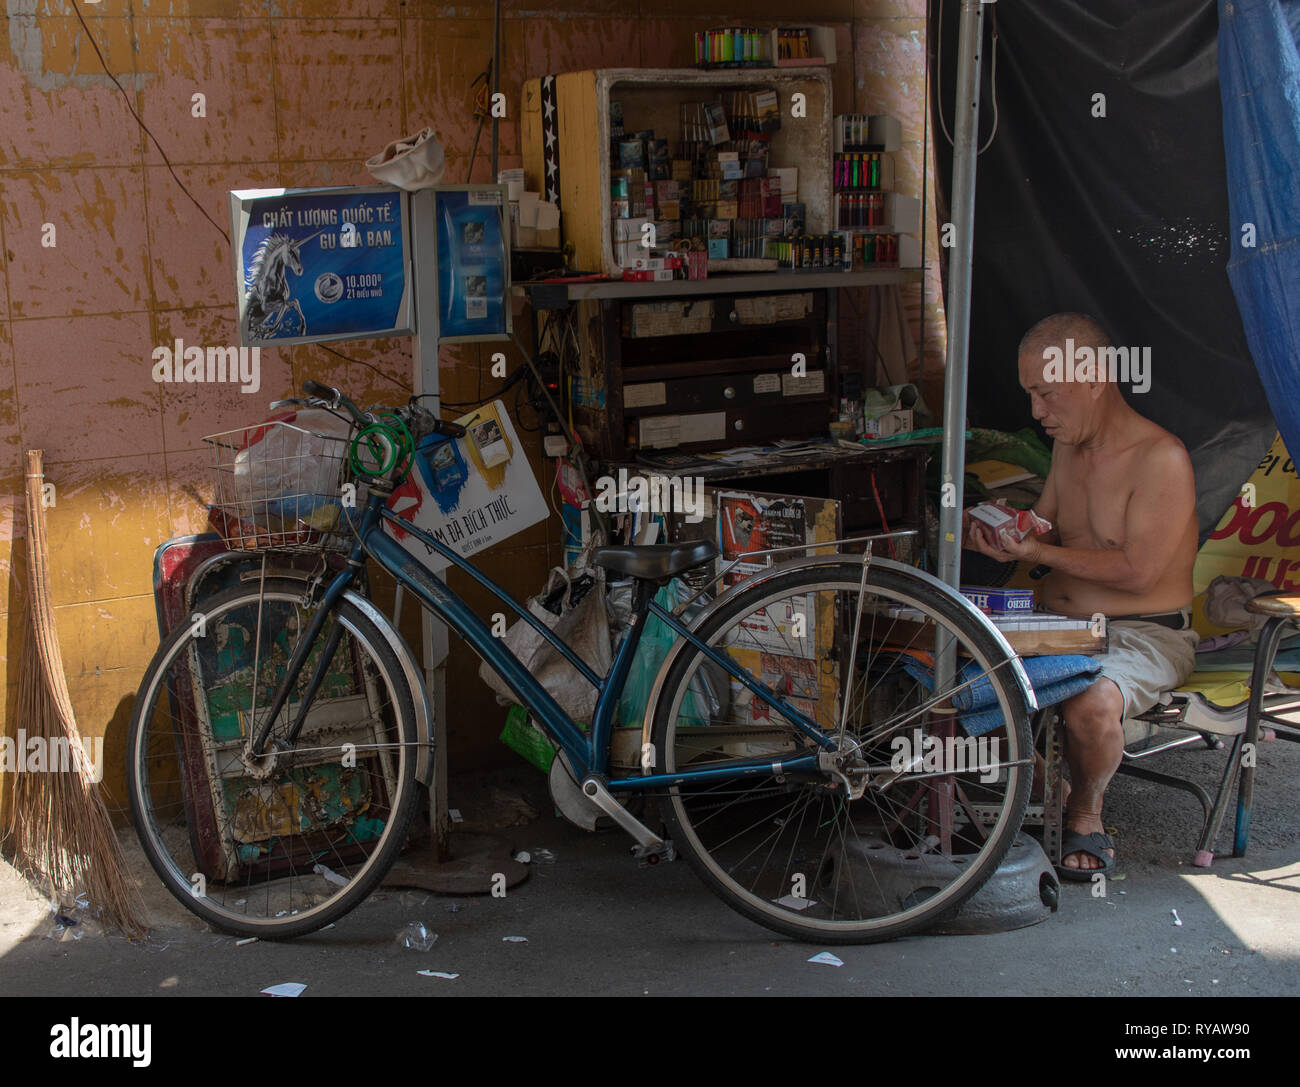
(411, 163)
(288, 472)
(288, 457)
(584, 626)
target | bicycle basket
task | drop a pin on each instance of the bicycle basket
(279, 485)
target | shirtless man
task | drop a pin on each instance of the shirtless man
(1122, 499)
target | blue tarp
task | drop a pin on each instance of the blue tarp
(1053, 678)
(1259, 80)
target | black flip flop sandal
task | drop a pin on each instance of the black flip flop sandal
(1093, 845)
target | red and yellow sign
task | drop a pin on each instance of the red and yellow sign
(1259, 535)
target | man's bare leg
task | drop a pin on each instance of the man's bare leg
(1094, 747)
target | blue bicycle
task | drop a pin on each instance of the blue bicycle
(799, 747)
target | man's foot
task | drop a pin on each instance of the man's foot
(1086, 848)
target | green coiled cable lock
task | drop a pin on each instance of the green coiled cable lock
(388, 442)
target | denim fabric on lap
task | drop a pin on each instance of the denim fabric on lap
(1053, 678)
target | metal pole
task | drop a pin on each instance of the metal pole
(965, 149)
(434, 638)
(496, 84)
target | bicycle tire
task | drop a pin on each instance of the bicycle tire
(892, 584)
(154, 750)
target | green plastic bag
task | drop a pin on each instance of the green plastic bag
(526, 739)
(656, 639)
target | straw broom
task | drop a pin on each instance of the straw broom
(59, 826)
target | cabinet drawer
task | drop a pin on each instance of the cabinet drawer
(729, 392)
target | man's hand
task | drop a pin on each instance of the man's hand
(1002, 547)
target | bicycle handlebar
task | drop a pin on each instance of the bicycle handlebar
(448, 429)
(427, 422)
(334, 398)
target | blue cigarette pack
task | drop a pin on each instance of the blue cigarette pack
(1000, 601)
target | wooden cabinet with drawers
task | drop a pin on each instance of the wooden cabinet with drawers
(704, 372)
(725, 364)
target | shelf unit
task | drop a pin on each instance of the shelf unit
(876, 488)
(547, 295)
(722, 378)
(652, 99)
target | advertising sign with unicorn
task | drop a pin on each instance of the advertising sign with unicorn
(321, 264)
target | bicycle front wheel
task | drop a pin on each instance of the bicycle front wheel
(909, 814)
(280, 843)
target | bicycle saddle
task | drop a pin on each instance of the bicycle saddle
(655, 561)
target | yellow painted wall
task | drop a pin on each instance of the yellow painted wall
(298, 93)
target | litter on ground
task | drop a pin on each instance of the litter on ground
(285, 988)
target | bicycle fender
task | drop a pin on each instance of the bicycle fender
(754, 581)
(414, 680)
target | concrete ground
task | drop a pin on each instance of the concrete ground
(596, 924)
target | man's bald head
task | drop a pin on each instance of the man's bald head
(1053, 331)
(1069, 403)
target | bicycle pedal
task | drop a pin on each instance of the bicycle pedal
(648, 856)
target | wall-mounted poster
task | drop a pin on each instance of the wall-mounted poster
(473, 263)
(321, 264)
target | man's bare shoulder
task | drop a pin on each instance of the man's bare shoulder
(1160, 465)
(1160, 450)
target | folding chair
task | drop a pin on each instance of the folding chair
(1216, 708)
(1195, 713)
(1283, 611)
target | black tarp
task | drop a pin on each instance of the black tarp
(1123, 216)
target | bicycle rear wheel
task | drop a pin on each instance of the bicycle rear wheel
(935, 810)
(277, 846)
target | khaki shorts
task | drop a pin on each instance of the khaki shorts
(1146, 661)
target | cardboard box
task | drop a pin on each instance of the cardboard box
(667, 190)
(889, 424)
(666, 230)
(649, 275)
(513, 180)
(636, 184)
(631, 153)
(628, 229)
(548, 225)
(658, 263)
(626, 253)
(523, 220)
(789, 178)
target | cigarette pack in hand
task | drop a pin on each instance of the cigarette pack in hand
(1016, 524)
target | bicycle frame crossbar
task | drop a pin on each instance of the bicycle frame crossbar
(587, 750)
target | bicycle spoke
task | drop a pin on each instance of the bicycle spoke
(249, 833)
(871, 863)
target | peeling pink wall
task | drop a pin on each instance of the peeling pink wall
(298, 93)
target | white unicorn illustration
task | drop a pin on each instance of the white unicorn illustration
(266, 287)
